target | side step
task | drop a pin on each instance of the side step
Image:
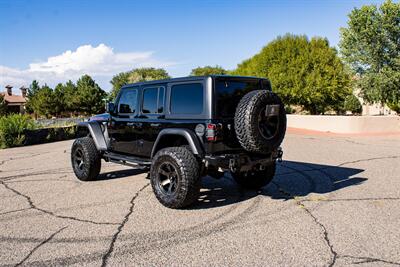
(126, 160)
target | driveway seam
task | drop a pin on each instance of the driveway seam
(33, 206)
(38, 246)
(107, 255)
(351, 199)
(368, 259)
(12, 211)
(324, 231)
(319, 224)
(335, 255)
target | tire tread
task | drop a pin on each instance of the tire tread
(189, 170)
(247, 131)
(94, 165)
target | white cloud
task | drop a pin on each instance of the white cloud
(100, 62)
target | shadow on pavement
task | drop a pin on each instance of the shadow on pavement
(120, 174)
(291, 179)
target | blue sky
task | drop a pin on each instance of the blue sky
(179, 35)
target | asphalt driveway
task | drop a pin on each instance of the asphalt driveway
(334, 201)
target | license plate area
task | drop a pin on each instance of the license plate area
(272, 110)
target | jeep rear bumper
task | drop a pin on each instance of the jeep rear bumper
(242, 162)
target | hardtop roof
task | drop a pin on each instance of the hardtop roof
(192, 78)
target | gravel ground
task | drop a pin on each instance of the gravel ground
(334, 201)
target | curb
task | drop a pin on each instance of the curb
(301, 131)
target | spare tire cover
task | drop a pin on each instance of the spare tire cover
(260, 121)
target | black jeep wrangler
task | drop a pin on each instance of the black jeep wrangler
(185, 128)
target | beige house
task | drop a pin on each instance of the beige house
(376, 109)
(373, 109)
(15, 103)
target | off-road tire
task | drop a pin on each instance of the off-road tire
(256, 179)
(91, 159)
(188, 181)
(247, 127)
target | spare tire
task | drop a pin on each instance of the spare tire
(260, 121)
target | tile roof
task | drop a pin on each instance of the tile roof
(13, 98)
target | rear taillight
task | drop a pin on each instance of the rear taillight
(212, 132)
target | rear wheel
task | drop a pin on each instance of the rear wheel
(175, 177)
(255, 179)
(86, 160)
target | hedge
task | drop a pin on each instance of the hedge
(21, 130)
(46, 135)
(12, 129)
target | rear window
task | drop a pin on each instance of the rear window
(187, 98)
(228, 94)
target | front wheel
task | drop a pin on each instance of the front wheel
(86, 160)
(175, 177)
(255, 179)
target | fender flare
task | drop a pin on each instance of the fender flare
(97, 134)
(189, 135)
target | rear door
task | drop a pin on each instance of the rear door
(228, 91)
(151, 117)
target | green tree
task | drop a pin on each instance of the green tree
(43, 102)
(117, 82)
(34, 87)
(136, 75)
(351, 103)
(71, 98)
(147, 74)
(208, 70)
(302, 71)
(59, 99)
(90, 95)
(371, 45)
(3, 106)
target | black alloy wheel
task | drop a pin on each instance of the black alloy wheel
(167, 178)
(85, 159)
(268, 125)
(175, 177)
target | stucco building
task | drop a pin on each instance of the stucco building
(15, 103)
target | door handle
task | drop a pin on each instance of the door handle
(155, 124)
(134, 124)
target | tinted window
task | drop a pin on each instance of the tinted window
(150, 98)
(161, 100)
(128, 101)
(187, 98)
(229, 93)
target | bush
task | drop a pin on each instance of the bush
(351, 103)
(289, 109)
(208, 70)
(395, 107)
(3, 107)
(12, 129)
(46, 135)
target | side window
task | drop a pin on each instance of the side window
(150, 100)
(153, 100)
(187, 98)
(161, 94)
(128, 101)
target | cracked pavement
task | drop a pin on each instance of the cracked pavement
(334, 202)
